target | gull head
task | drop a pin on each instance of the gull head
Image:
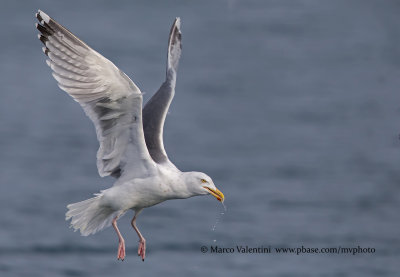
(199, 183)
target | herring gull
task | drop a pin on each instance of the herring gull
(131, 139)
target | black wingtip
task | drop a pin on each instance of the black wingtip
(175, 35)
(38, 16)
(45, 31)
(46, 51)
(43, 39)
(45, 22)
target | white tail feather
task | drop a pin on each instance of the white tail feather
(89, 216)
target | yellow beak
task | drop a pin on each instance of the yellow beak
(216, 193)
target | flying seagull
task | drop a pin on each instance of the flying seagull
(131, 139)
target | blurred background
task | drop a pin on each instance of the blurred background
(292, 107)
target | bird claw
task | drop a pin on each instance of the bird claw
(121, 251)
(142, 249)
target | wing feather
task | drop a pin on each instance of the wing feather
(155, 110)
(110, 99)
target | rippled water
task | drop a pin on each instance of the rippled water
(292, 107)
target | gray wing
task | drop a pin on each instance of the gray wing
(110, 99)
(156, 109)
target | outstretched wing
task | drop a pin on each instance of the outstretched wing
(156, 109)
(110, 99)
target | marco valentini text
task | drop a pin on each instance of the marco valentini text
(288, 250)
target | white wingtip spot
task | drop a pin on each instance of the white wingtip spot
(178, 22)
(38, 36)
(44, 16)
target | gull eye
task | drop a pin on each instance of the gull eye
(203, 181)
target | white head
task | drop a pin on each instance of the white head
(199, 183)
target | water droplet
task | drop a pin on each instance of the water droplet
(224, 207)
(218, 219)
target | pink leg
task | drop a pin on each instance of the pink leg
(142, 241)
(121, 244)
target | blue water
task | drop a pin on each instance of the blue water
(293, 108)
